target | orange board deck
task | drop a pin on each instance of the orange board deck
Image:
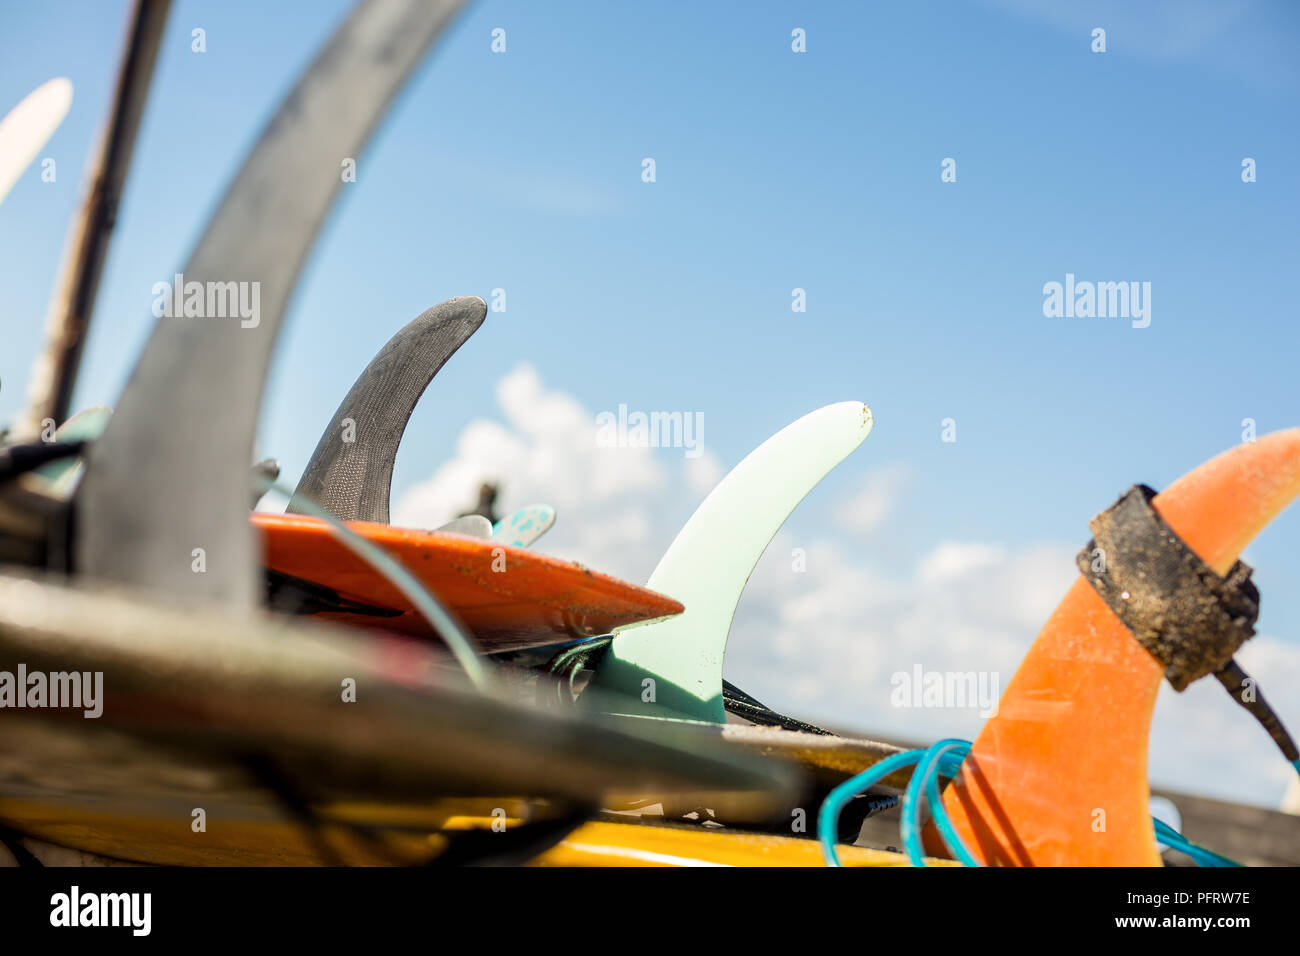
(508, 598)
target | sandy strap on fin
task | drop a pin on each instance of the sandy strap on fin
(707, 565)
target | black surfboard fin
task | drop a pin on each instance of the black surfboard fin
(351, 470)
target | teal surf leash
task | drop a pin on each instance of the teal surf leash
(944, 759)
(829, 814)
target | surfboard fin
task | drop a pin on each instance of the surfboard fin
(1074, 720)
(525, 526)
(26, 128)
(351, 471)
(137, 525)
(708, 564)
(58, 478)
(265, 472)
(476, 526)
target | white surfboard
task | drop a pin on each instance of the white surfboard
(28, 127)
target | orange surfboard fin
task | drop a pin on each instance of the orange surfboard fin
(1059, 775)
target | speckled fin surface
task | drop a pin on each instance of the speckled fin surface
(525, 526)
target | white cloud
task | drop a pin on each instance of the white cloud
(866, 510)
(610, 502)
(703, 472)
(843, 628)
(953, 560)
(822, 644)
(1245, 39)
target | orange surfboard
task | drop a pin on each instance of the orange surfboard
(1059, 775)
(508, 598)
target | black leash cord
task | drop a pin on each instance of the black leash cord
(1244, 689)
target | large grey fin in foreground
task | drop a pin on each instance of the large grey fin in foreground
(351, 470)
(170, 475)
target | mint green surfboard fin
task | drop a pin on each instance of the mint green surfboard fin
(706, 568)
(58, 478)
(525, 526)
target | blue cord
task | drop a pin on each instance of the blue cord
(829, 815)
(939, 813)
(945, 759)
(1175, 840)
(909, 821)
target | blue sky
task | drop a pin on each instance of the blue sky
(774, 171)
